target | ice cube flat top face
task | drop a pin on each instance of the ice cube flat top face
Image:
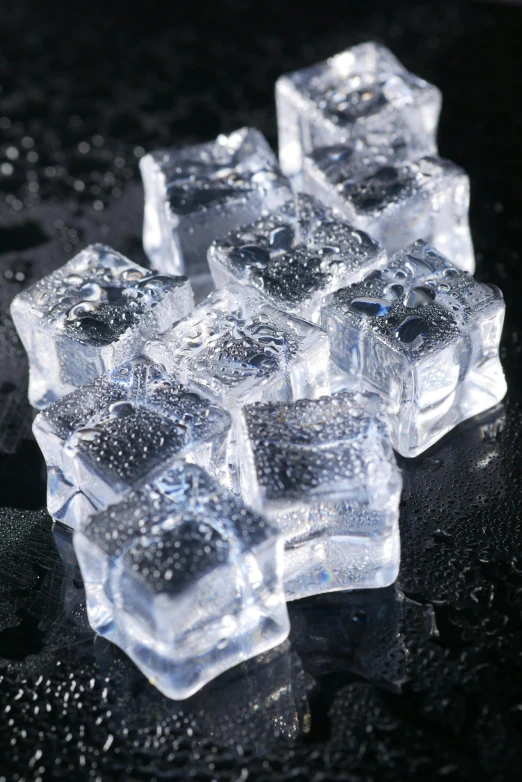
(126, 423)
(359, 83)
(269, 256)
(388, 183)
(176, 530)
(97, 296)
(317, 447)
(234, 341)
(418, 304)
(197, 177)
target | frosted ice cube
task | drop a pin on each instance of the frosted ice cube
(426, 336)
(184, 578)
(396, 202)
(194, 194)
(363, 91)
(90, 315)
(323, 471)
(294, 262)
(237, 349)
(107, 436)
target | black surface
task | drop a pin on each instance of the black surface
(422, 681)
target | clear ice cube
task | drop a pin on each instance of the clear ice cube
(425, 335)
(184, 578)
(323, 471)
(237, 349)
(396, 202)
(90, 315)
(194, 194)
(363, 91)
(295, 260)
(106, 437)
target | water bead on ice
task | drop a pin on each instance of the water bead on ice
(184, 578)
(117, 431)
(91, 314)
(364, 91)
(194, 194)
(294, 261)
(425, 335)
(323, 471)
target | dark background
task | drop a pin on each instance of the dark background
(420, 681)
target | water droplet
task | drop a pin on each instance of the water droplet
(252, 255)
(281, 238)
(130, 275)
(411, 327)
(121, 409)
(396, 290)
(419, 297)
(91, 291)
(371, 306)
(80, 309)
(73, 279)
(373, 275)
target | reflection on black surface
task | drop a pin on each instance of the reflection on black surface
(361, 633)
(255, 705)
(367, 669)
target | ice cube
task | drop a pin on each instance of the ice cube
(323, 471)
(117, 431)
(184, 578)
(237, 349)
(294, 261)
(90, 315)
(363, 91)
(425, 335)
(194, 194)
(396, 202)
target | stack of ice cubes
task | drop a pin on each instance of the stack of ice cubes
(219, 459)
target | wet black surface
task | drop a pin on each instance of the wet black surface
(421, 681)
